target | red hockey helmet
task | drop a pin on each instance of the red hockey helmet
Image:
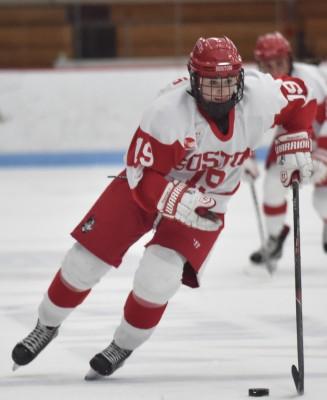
(215, 57)
(270, 46)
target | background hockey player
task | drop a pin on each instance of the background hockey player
(183, 165)
(273, 55)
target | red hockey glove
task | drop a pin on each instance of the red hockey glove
(188, 206)
(293, 152)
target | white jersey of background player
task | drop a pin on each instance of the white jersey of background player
(182, 166)
(273, 55)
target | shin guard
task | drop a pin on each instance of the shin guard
(142, 314)
(64, 295)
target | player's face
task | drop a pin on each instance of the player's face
(276, 67)
(218, 90)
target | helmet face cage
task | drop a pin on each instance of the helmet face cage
(219, 89)
(233, 92)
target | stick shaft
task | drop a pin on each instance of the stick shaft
(260, 226)
(298, 285)
(257, 210)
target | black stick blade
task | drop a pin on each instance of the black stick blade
(298, 380)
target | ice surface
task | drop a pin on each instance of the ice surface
(237, 331)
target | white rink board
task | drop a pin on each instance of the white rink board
(76, 109)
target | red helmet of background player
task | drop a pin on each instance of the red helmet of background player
(216, 58)
(270, 46)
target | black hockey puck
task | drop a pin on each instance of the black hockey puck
(258, 392)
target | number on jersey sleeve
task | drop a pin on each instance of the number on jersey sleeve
(148, 162)
(301, 108)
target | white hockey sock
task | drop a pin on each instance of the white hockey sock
(128, 337)
(50, 314)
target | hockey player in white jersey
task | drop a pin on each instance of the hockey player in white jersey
(183, 165)
(273, 55)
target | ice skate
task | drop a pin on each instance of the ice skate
(324, 237)
(273, 249)
(105, 363)
(26, 350)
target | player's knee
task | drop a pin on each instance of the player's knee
(274, 192)
(159, 275)
(82, 269)
(320, 201)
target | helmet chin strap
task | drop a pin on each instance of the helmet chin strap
(217, 110)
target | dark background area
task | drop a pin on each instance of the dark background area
(36, 34)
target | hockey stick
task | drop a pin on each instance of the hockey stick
(298, 373)
(269, 265)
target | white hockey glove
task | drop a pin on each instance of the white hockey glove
(250, 170)
(319, 158)
(293, 152)
(186, 205)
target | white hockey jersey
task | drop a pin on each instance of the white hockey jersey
(176, 140)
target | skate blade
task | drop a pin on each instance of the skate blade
(93, 375)
(271, 266)
(15, 367)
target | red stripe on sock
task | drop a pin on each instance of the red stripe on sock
(275, 210)
(63, 295)
(142, 316)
